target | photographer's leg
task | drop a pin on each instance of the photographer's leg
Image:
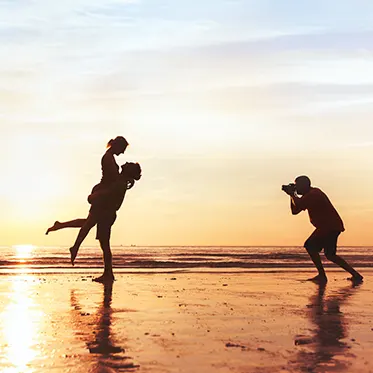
(356, 276)
(331, 254)
(312, 246)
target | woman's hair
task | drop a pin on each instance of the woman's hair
(119, 141)
(131, 170)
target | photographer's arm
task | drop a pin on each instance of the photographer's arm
(294, 204)
(295, 201)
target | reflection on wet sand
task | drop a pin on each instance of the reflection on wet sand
(102, 345)
(329, 352)
(20, 320)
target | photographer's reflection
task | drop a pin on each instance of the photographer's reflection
(101, 344)
(328, 342)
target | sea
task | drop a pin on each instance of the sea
(29, 258)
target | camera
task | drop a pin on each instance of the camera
(289, 188)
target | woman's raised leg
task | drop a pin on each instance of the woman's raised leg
(76, 223)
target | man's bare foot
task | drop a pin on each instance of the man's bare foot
(356, 279)
(104, 279)
(56, 226)
(73, 253)
(319, 279)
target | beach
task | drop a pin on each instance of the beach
(185, 321)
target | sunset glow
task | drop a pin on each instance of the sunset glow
(24, 251)
(222, 102)
(151, 210)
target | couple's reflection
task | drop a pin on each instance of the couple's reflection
(329, 348)
(101, 344)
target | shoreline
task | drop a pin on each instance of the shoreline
(80, 270)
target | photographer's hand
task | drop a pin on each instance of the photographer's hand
(290, 193)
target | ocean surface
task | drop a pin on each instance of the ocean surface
(188, 258)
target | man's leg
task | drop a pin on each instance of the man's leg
(108, 259)
(103, 235)
(108, 275)
(331, 254)
(356, 276)
(313, 247)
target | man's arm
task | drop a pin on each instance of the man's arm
(118, 187)
(295, 204)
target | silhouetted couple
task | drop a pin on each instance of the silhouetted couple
(327, 222)
(106, 198)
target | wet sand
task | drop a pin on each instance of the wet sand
(185, 322)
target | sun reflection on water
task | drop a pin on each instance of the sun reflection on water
(23, 252)
(20, 320)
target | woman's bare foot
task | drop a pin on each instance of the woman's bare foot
(319, 279)
(55, 227)
(104, 279)
(73, 254)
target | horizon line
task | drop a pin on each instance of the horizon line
(204, 246)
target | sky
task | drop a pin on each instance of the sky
(222, 102)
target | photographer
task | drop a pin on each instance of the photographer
(327, 222)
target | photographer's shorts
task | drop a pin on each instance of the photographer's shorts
(326, 240)
(105, 221)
